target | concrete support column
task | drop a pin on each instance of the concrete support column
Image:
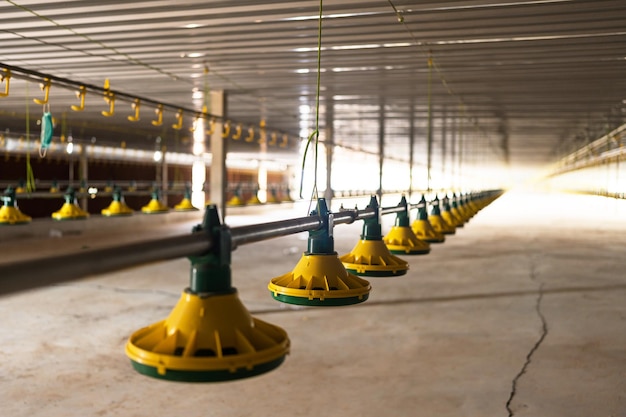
(219, 151)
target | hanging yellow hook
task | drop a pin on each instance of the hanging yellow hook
(109, 97)
(274, 139)
(250, 136)
(80, 94)
(179, 120)
(211, 128)
(159, 113)
(136, 105)
(6, 76)
(226, 131)
(237, 134)
(45, 87)
(285, 141)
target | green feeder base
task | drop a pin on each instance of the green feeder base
(207, 376)
(316, 302)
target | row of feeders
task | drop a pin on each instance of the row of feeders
(210, 336)
(11, 215)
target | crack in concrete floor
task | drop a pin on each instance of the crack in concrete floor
(535, 347)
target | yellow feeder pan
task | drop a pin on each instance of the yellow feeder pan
(209, 335)
(373, 259)
(236, 199)
(185, 204)
(70, 210)
(448, 215)
(464, 209)
(21, 188)
(422, 227)
(155, 206)
(401, 239)
(272, 198)
(117, 207)
(54, 188)
(438, 222)
(425, 231)
(319, 278)
(9, 213)
(451, 220)
(254, 200)
(370, 256)
(457, 211)
(207, 339)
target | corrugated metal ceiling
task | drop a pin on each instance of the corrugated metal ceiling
(530, 78)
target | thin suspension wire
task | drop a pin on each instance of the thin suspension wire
(315, 134)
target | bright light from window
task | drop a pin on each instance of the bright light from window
(158, 156)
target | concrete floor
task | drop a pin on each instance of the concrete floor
(520, 313)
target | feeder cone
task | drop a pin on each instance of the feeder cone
(471, 205)
(319, 278)
(155, 206)
(185, 204)
(272, 198)
(401, 239)
(236, 199)
(21, 188)
(117, 207)
(209, 335)
(370, 256)
(468, 213)
(448, 216)
(207, 338)
(438, 222)
(54, 188)
(422, 227)
(70, 209)
(254, 200)
(457, 210)
(9, 213)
